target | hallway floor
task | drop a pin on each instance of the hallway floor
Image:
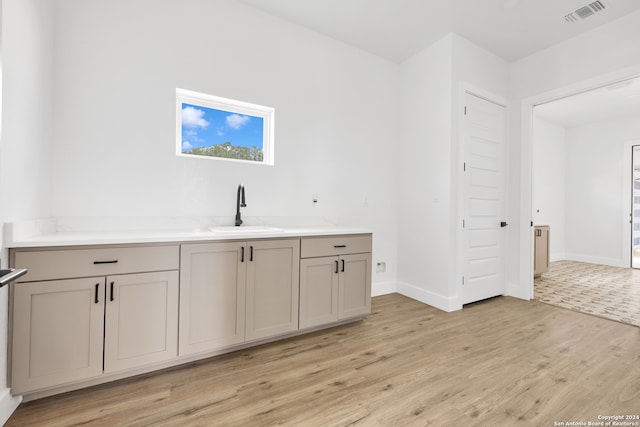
(609, 292)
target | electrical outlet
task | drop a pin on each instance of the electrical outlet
(381, 267)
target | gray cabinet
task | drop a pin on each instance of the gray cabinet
(338, 286)
(70, 329)
(212, 296)
(237, 291)
(273, 277)
(57, 332)
(541, 250)
(318, 291)
(141, 319)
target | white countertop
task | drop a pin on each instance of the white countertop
(52, 232)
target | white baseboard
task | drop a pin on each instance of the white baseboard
(557, 256)
(383, 288)
(613, 262)
(427, 297)
(8, 404)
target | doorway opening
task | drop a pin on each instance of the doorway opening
(584, 187)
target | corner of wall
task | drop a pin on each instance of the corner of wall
(517, 291)
(383, 288)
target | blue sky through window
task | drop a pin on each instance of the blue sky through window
(203, 127)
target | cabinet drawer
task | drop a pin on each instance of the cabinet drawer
(335, 245)
(68, 263)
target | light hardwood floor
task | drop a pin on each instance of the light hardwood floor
(500, 362)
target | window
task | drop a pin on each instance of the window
(213, 127)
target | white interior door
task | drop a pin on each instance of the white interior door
(484, 137)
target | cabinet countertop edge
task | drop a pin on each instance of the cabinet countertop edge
(89, 238)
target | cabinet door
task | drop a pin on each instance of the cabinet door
(212, 296)
(318, 291)
(354, 297)
(57, 332)
(141, 319)
(541, 251)
(272, 287)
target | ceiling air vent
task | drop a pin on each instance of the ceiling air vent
(584, 12)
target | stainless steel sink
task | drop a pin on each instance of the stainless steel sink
(10, 274)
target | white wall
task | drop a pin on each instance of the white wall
(559, 70)
(549, 169)
(424, 243)
(595, 194)
(25, 172)
(118, 63)
(429, 163)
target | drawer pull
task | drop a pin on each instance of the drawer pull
(339, 246)
(114, 261)
(96, 299)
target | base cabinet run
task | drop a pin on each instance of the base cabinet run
(90, 314)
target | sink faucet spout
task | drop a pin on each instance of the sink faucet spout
(240, 202)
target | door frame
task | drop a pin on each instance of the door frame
(525, 288)
(627, 206)
(465, 88)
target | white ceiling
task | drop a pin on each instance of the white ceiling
(398, 29)
(512, 29)
(616, 100)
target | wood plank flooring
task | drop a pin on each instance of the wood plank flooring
(500, 362)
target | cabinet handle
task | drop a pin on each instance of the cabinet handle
(336, 261)
(242, 254)
(96, 299)
(251, 253)
(339, 246)
(343, 266)
(111, 298)
(113, 261)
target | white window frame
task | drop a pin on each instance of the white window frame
(233, 106)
